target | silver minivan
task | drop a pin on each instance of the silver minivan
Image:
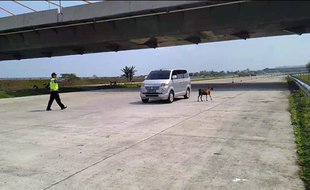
(166, 84)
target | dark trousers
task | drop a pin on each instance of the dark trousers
(54, 95)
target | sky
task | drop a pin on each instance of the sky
(255, 54)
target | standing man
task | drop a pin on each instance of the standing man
(54, 93)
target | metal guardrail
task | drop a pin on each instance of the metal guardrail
(304, 85)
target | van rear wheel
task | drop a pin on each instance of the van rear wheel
(188, 93)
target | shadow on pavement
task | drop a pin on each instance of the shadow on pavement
(246, 86)
(160, 102)
(37, 111)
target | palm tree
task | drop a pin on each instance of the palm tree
(126, 71)
(132, 72)
(129, 72)
(308, 67)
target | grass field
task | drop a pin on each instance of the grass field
(300, 117)
(304, 77)
(212, 78)
(42, 91)
(32, 92)
(13, 85)
(209, 78)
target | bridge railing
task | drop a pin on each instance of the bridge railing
(304, 85)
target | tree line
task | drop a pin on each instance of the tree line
(129, 73)
(308, 67)
(208, 73)
(212, 73)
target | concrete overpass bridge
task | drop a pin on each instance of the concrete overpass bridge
(118, 26)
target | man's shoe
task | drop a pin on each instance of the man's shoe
(64, 108)
(48, 109)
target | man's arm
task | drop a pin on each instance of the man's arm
(59, 80)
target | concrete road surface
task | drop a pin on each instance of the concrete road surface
(109, 139)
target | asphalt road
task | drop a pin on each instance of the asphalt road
(109, 139)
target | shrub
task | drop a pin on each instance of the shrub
(300, 117)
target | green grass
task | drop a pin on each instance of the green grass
(22, 93)
(304, 77)
(300, 117)
(5, 95)
(288, 79)
(129, 85)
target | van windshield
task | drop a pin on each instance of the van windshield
(158, 75)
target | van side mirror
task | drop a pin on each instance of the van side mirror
(145, 77)
(174, 77)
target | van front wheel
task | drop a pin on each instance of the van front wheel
(145, 100)
(170, 97)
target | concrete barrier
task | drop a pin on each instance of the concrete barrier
(106, 9)
(304, 85)
(114, 8)
(29, 19)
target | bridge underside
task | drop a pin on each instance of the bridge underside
(221, 23)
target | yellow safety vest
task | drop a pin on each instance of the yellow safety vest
(53, 85)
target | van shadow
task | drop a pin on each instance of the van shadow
(155, 102)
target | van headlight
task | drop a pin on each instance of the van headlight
(164, 84)
(142, 85)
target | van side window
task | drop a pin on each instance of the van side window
(186, 74)
(175, 72)
(180, 74)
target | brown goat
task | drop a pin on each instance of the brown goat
(205, 92)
